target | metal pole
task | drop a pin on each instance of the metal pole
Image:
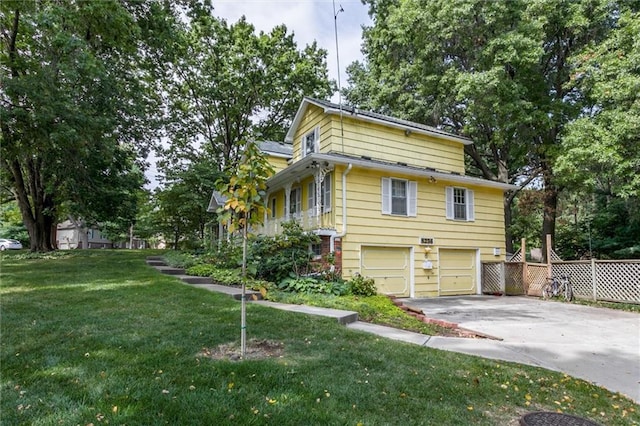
(243, 308)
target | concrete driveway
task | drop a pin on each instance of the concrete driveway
(596, 344)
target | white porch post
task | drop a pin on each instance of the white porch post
(287, 201)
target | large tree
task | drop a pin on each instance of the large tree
(73, 104)
(601, 150)
(494, 71)
(226, 84)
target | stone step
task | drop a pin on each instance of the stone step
(155, 258)
(190, 279)
(169, 270)
(153, 262)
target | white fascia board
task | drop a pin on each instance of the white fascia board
(296, 169)
(296, 120)
(277, 154)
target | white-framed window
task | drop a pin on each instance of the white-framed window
(316, 250)
(295, 202)
(273, 206)
(325, 194)
(311, 142)
(399, 197)
(459, 204)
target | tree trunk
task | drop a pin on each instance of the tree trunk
(550, 204)
(36, 207)
(508, 201)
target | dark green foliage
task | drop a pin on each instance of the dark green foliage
(227, 255)
(603, 227)
(230, 277)
(313, 285)
(277, 257)
(11, 225)
(76, 112)
(362, 286)
(181, 259)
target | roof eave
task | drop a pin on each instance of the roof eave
(294, 170)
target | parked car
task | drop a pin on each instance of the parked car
(8, 244)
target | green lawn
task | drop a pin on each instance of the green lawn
(99, 337)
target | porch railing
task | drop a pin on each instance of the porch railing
(307, 219)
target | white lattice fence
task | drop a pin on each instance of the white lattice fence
(617, 281)
(537, 276)
(491, 277)
(580, 274)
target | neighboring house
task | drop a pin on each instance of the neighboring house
(68, 237)
(389, 198)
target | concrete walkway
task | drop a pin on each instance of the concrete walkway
(595, 344)
(598, 345)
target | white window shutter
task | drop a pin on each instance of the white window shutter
(449, 202)
(412, 198)
(311, 195)
(326, 193)
(303, 146)
(316, 139)
(386, 196)
(470, 205)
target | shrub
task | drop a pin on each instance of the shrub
(181, 259)
(228, 255)
(361, 286)
(230, 277)
(312, 285)
(276, 258)
(201, 270)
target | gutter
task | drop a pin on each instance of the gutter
(332, 239)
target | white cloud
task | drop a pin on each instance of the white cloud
(309, 20)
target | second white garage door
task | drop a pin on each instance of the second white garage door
(390, 267)
(457, 272)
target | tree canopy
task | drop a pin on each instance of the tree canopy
(226, 84)
(73, 110)
(500, 73)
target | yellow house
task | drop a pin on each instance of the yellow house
(389, 198)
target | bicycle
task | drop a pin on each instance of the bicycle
(558, 287)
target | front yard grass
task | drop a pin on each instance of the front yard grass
(98, 337)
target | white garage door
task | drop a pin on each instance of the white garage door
(390, 267)
(457, 272)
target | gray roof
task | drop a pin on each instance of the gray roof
(217, 200)
(277, 148)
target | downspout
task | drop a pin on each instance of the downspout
(344, 210)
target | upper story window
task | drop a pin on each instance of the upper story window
(399, 197)
(325, 195)
(295, 206)
(459, 204)
(311, 142)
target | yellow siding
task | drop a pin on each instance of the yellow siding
(368, 226)
(278, 163)
(360, 138)
(313, 118)
(392, 145)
